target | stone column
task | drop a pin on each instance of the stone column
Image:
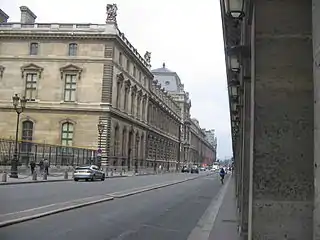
(245, 158)
(282, 191)
(316, 75)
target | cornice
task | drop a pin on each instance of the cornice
(129, 52)
(55, 35)
(55, 59)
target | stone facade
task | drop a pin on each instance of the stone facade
(191, 140)
(271, 77)
(78, 75)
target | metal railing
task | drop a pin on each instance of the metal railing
(55, 154)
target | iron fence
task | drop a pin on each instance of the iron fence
(55, 154)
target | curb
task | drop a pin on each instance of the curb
(63, 209)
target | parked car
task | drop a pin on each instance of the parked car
(185, 169)
(194, 169)
(91, 172)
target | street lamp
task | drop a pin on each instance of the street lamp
(100, 131)
(234, 63)
(234, 8)
(19, 105)
(233, 86)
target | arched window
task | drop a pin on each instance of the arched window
(67, 134)
(27, 130)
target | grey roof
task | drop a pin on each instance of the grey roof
(162, 70)
(167, 78)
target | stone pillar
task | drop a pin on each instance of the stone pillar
(316, 75)
(282, 193)
(245, 158)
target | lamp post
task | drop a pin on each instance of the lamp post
(234, 63)
(100, 131)
(234, 8)
(19, 105)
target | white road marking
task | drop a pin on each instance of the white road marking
(206, 222)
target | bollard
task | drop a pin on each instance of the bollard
(45, 176)
(111, 174)
(4, 177)
(66, 174)
(34, 176)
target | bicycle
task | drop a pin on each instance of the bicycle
(221, 178)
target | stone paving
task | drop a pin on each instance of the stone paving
(226, 223)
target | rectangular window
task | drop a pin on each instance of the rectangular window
(128, 66)
(70, 87)
(120, 58)
(134, 71)
(73, 49)
(138, 106)
(118, 95)
(125, 102)
(140, 76)
(34, 49)
(67, 134)
(31, 86)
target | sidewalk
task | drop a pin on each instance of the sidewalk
(226, 224)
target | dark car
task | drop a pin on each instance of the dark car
(185, 169)
(195, 169)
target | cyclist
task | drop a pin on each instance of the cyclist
(222, 174)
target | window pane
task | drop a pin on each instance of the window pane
(65, 126)
(72, 96)
(67, 95)
(70, 127)
(64, 142)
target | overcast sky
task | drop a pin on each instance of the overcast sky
(186, 36)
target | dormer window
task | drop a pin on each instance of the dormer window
(73, 48)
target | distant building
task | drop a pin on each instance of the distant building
(194, 146)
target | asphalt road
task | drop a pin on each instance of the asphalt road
(163, 214)
(20, 197)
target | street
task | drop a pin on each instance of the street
(20, 197)
(167, 213)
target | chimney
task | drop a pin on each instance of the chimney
(3, 17)
(27, 16)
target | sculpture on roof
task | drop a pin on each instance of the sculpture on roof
(147, 57)
(111, 13)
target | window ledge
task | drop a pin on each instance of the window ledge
(33, 101)
(71, 103)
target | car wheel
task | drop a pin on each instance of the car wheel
(103, 177)
(76, 179)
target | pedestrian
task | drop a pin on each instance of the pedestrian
(32, 166)
(41, 166)
(46, 166)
